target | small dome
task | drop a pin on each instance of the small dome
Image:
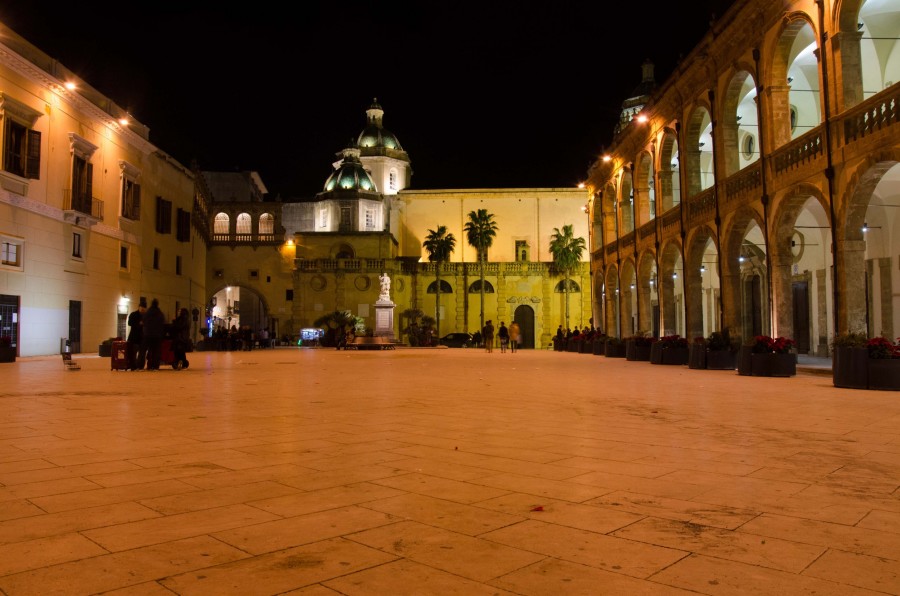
(374, 134)
(350, 174)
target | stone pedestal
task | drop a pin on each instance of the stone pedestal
(384, 318)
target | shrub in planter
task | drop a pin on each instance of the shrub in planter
(670, 349)
(637, 347)
(884, 364)
(615, 348)
(850, 360)
(766, 356)
(720, 351)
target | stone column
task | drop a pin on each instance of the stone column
(821, 293)
(886, 297)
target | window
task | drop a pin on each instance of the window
(131, 192)
(218, 273)
(156, 259)
(392, 180)
(177, 264)
(21, 144)
(346, 219)
(521, 250)
(370, 220)
(323, 218)
(163, 216)
(82, 198)
(445, 288)
(573, 286)
(76, 245)
(254, 274)
(243, 224)
(266, 224)
(183, 222)
(221, 223)
(11, 252)
(123, 257)
(475, 288)
(289, 295)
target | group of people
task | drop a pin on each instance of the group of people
(509, 336)
(146, 334)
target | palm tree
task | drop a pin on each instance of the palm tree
(566, 251)
(480, 231)
(439, 245)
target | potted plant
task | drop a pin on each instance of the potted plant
(669, 349)
(599, 346)
(884, 364)
(615, 347)
(7, 350)
(637, 347)
(697, 353)
(766, 356)
(850, 360)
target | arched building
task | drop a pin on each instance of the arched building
(756, 189)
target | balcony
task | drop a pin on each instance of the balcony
(81, 209)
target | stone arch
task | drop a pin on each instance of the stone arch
(266, 223)
(668, 172)
(644, 191)
(701, 283)
(739, 123)
(253, 307)
(625, 202)
(610, 224)
(611, 306)
(671, 288)
(698, 158)
(737, 273)
(647, 293)
(343, 250)
(792, 59)
(628, 297)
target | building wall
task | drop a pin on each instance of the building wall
(37, 213)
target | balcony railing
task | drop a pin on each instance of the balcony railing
(801, 150)
(82, 204)
(872, 115)
(703, 205)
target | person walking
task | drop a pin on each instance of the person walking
(181, 338)
(134, 349)
(487, 336)
(154, 329)
(515, 336)
(503, 336)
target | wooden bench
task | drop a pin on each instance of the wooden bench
(370, 343)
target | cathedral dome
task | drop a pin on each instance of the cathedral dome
(374, 135)
(350, 174)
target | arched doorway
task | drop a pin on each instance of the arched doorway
(239, 306)
(524, 316)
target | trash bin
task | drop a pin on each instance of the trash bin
(65, 346)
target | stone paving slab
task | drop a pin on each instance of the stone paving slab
(445, 471)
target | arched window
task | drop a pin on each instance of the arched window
(220, 225)
(573, 287)
(445, 288)
(266, 224)
(344, 251)
(243, 224)
(475, 288)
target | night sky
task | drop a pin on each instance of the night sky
(481, 95)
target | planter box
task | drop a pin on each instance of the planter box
(720, 359)
(884, 374)
(7, 354)
(635, 352)
(614, 350)
(599, 347)
(660, 354)
(850, 367)
(697, 356)
(765, 365)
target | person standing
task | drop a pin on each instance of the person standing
(154, 329)
(503, 335)
(487, 336)
(181, 337)
(134, 349)
(515, 336)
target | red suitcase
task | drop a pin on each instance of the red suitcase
(120, 359)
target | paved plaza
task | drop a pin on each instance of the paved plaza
(437, 471)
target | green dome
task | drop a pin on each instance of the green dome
(350, 174)
(374, 135)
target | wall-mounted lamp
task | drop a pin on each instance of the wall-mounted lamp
(790, 80)
(702, 268)
(632, 286)
(675, 275)
(859, 26)
(741, 259)
(607, 157)
(584, 208)
(738, 118)
(641, 118)
(701, 144)
(865, 227)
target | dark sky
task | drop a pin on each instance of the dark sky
(481, 95)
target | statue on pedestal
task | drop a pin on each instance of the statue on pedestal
(385, 287)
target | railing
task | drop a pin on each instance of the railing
(872, 115)
(799, 151)
(612, 248)
(627, 240)
(747, 180)
(82, 204)
(647, 230)
(701, 206)
(672, 217)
